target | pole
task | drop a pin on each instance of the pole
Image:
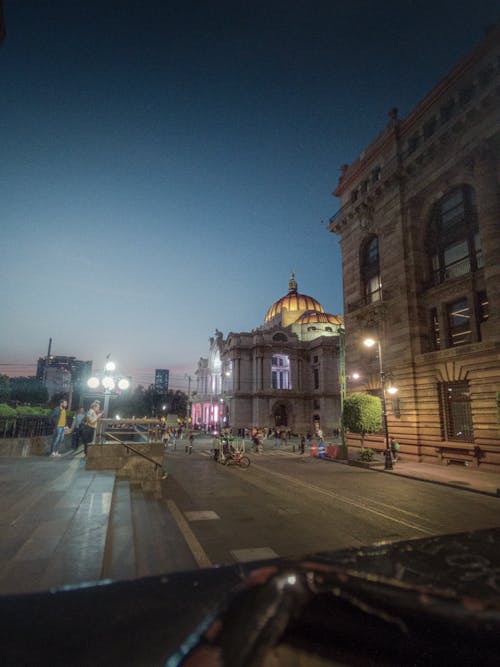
(44, 377)
(342, 383)
(106, 403)
(387, 453)
(188, 410)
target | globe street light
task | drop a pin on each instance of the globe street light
(108, 382)
(370, 342)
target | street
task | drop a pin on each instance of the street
(286, 504)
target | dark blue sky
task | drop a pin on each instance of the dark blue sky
(166, 165)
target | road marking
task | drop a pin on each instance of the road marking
(201, 515)
(195, 547)
(249, 555)
(343, 499)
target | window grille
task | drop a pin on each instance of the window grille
(456, 411)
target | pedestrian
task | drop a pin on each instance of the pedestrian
(58, 416)
(75, 427)
(89, 426)
(302, 444)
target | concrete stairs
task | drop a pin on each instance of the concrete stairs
(61, 525)
(142, 538)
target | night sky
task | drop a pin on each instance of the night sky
(166, 165)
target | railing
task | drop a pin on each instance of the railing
(135, 451)
(149, 430)
(25, 427)
(453, 270)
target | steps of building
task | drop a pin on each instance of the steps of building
(54, 521)
(143, 539)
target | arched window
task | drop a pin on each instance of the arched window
(453, 241)
(370, 272)
(280, 337)
(280, 372)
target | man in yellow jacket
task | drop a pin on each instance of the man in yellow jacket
(59, 420)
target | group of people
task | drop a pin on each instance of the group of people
(83, 427)
(280, 437)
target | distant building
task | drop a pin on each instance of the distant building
(161, 380)
(283, 374)
(64, 375)
(420, 239)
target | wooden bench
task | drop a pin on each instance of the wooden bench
(460, 454)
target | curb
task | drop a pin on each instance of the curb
(419, 479)
(443, 483)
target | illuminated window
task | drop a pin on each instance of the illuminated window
(370, 272)
(459, 323)
(456, 412)
(280, 372)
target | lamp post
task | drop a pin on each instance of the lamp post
(108, 381)
(188, 406)
(342, 383)
(370, 342)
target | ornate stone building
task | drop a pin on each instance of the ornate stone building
(420, 236)
(284, 373)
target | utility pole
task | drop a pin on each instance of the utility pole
(44, 378)
(188, 378)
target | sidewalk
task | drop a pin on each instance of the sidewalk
(461, 477)
(466, 478)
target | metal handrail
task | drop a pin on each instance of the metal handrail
(144, 456)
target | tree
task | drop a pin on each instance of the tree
(28, 390)
(4, 388)
(362, 414)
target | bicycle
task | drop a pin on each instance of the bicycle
(236, 459)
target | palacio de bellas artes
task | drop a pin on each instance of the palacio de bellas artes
(419, 229)
(284, 374)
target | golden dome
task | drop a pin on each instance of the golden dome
(315, 317)
(294, 303)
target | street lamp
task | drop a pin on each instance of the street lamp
(343, 391)
(370, 342)
(108, 382)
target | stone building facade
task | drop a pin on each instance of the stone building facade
(419, 228)
(283, 374)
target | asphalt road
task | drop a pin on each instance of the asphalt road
(290, 505)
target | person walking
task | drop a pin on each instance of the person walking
(58, 417)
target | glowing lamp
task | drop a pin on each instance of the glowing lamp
(108, 383)
(93, 383)
(123, 383)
